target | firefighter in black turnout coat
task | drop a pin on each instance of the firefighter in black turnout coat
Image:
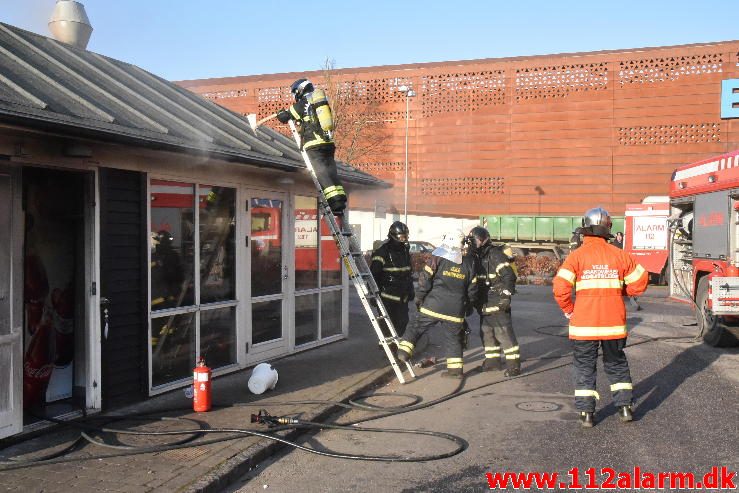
(447, 286)
(313, 114)
(391, 268)
(497, 280)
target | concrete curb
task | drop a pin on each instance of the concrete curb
(232, 469)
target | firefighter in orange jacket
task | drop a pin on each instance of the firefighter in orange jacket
(600, 274)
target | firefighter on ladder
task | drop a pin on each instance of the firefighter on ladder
(312, 113)
(447, 287)
(391, 268)
(497, 280)
(601, 274)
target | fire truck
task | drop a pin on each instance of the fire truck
(704, 244)
(646, 235)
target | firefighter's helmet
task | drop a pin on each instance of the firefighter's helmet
(478, 237)
(596, 222)
(301, 87)
(451, 246)
(398, 232)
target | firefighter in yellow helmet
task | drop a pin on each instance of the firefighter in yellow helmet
(312, 113)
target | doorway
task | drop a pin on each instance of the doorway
(56, 304)
(267, 212)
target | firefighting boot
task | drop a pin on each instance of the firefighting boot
(587, 419)
(402, 356)
(624, 414)
(455, 373)
(512, 372)
(491, 364)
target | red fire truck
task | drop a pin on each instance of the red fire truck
(704, 244)
(646, 235)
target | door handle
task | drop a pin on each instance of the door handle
(105, 304)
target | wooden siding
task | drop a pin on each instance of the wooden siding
(124, 281)
(556, 134)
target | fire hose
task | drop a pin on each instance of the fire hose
(283, 423)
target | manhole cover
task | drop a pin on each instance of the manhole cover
(539, 406)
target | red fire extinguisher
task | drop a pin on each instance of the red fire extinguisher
(201, 397)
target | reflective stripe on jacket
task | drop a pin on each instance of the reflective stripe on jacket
(391, 268)
(311, 134)
(446, 289)
(601, 274)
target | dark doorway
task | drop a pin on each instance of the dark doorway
(54, 359)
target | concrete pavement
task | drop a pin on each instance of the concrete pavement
(334, 372)
(686, 414)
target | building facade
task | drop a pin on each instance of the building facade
(538, 135)
(141, 228)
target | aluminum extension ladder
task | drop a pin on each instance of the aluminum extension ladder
(359, 273)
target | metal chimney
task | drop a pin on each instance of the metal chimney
(69, 23)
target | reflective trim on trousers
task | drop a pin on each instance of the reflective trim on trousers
(621, 386)
(587, 393)
(513, 349)
(333, 191)
(391, 297)
(454, 362)
(512, 356)
(406, 347)
(492, 351)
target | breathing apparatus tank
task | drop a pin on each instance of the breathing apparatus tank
(319, 104)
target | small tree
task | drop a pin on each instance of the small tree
(360, 131)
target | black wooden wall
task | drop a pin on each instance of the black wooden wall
(124, 281)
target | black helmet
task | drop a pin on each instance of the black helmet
(301, 87)
(398, 232)
(478, 237)
(596, 222)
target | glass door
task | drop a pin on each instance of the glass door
(268, 274)
(11, 343)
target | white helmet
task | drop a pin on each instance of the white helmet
(451, 246)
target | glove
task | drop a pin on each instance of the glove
(418, 305)
(283, 116)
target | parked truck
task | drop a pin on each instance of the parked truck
(646, 235)
(704, 244)
(547, 236)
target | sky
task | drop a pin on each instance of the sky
(190, 39)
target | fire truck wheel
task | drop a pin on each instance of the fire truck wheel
(714, 333)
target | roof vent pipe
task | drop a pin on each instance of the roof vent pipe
(69, 23)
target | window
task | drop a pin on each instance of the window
(191, 315)
(318, 290)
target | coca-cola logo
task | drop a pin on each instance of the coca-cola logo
(38, 373)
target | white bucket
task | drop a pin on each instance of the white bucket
(263, 377)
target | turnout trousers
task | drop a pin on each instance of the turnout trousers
(452, 338)
(398, 312)
(616, 366)
(322, 159)
(496, 332)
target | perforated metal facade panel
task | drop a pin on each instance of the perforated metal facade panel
(531, 135)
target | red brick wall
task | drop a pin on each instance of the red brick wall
(530, 135)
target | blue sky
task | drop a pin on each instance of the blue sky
(189, 39)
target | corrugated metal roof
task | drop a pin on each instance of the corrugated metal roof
(48, 84)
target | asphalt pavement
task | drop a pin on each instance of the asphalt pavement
(686, 414)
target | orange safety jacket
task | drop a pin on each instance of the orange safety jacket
(601, 275)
